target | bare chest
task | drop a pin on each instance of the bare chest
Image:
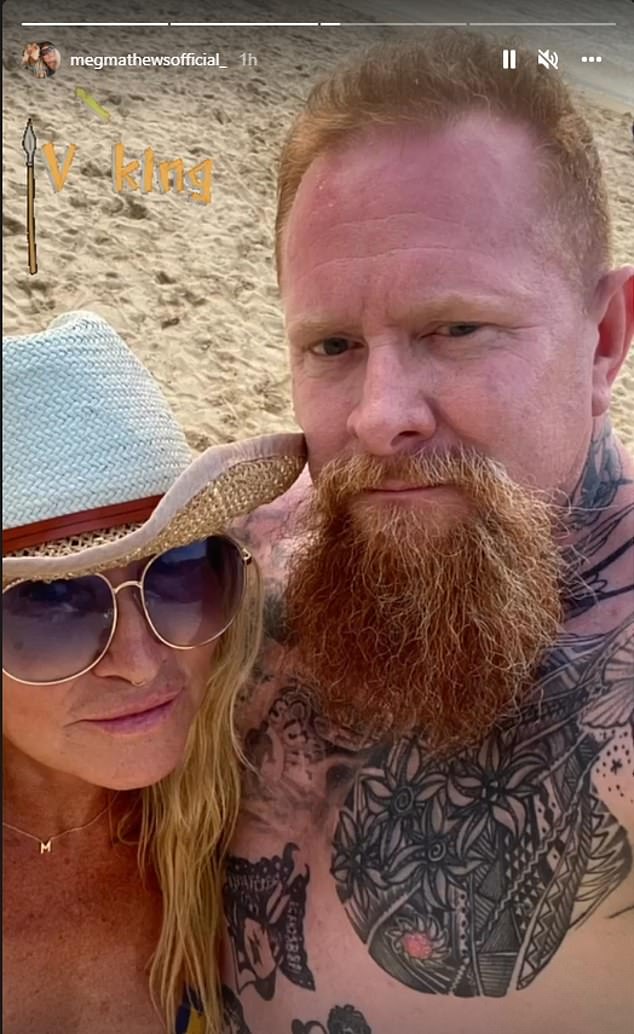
(76, 950)
(304, 967)
(386, 891)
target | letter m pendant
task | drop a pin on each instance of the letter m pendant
(45, 848)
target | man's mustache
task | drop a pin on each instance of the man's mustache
(345, 477)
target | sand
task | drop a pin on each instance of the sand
(192, 287)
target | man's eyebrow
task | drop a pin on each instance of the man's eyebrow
(448, 307)
(315, 327)
(484, 305)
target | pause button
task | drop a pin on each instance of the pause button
(509, 59)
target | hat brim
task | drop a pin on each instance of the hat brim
(224, 483)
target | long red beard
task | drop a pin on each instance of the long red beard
(414, 617)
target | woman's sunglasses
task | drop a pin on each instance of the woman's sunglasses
(56, 631)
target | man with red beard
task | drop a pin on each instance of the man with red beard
(439, 811)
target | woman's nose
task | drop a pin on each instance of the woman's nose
(135, 654)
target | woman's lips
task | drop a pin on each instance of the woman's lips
(139, 721)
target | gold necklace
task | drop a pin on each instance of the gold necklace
(45, 845)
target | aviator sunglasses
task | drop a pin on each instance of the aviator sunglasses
(56, 631)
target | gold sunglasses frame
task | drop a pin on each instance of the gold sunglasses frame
(244, 555)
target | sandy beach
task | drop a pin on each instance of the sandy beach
(190, 286)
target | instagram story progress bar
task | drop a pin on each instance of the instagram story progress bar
(316, 25)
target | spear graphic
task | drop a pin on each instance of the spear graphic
(29, 143)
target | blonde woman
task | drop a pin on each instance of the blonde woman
(130, 620)
(33, 60)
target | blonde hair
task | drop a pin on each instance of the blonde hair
(437, 81)
(185, 823)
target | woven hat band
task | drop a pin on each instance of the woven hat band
(99, 519)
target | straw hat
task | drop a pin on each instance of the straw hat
(96, 470)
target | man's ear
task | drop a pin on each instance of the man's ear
(614, 309)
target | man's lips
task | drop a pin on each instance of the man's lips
(397, 486)
(405, 486)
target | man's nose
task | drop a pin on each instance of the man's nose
(393, 411)
(135, 654)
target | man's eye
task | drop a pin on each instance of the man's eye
(460, 329)
(332, 346)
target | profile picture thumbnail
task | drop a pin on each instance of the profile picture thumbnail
(41, 59)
